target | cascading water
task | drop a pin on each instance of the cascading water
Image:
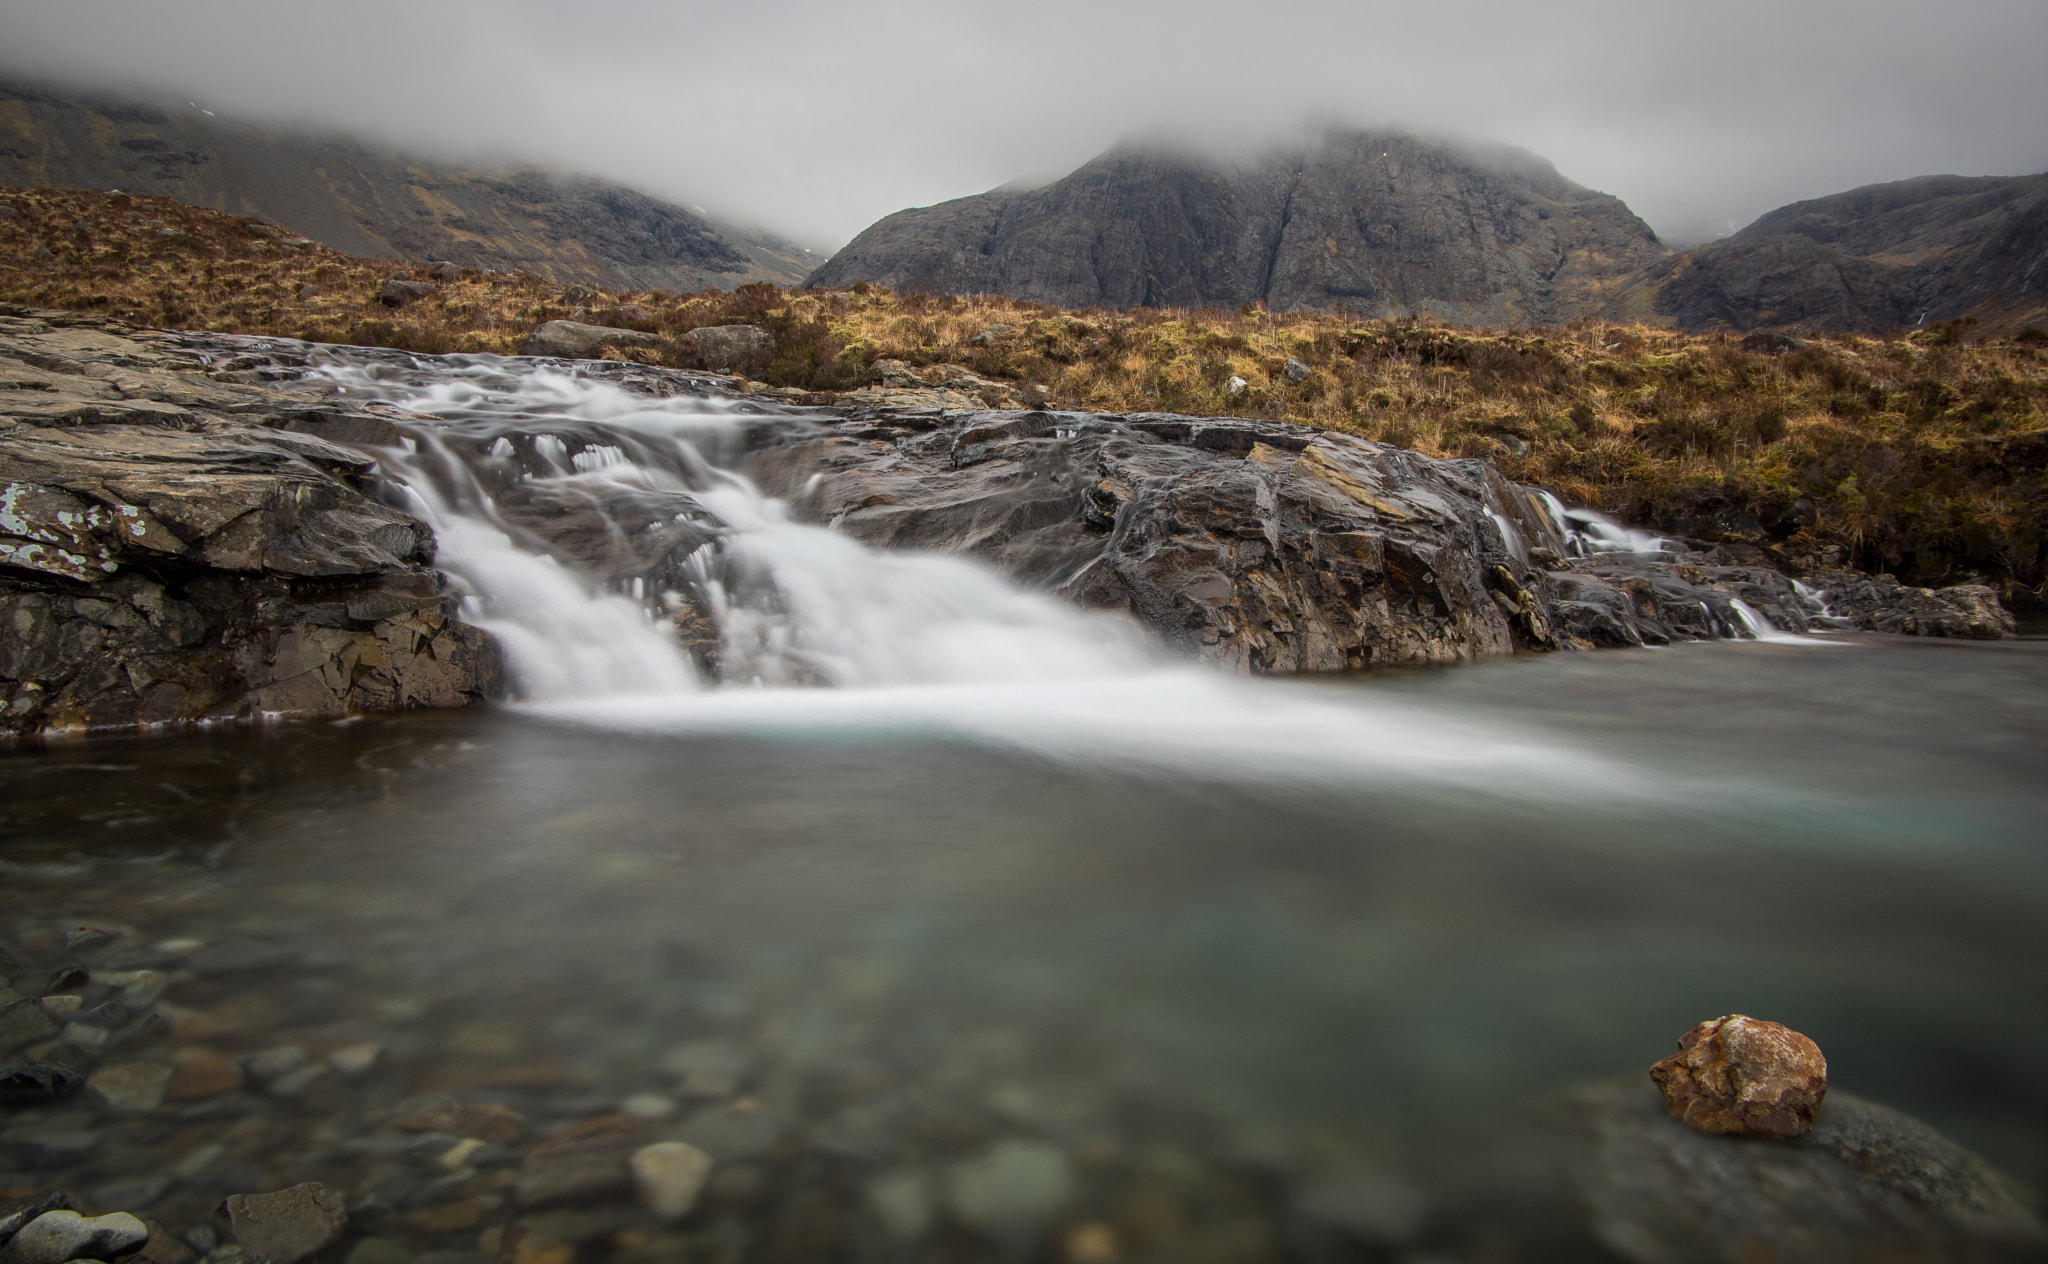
(692, 596)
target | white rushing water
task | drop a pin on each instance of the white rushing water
(912, 642)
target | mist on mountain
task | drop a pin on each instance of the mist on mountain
(816, 120)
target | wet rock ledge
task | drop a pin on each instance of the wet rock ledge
(191, 529)
(176, 545)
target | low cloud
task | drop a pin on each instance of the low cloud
(815, 119)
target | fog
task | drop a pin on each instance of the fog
(815, 119)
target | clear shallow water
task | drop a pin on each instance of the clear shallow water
(1346, 927)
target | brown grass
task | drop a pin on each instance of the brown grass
(1923, 455)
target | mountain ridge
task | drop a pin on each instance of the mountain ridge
(1387, 222)
(365, 200)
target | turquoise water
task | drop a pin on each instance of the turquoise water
(912, 938)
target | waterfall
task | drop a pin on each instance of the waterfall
(604, 532)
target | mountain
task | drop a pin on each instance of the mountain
(1386, 222)
(1874, 258)
(363, 200)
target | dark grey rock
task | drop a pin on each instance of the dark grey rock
(67, 978)
(398, 291)
(447, 272)
(728, 347)
(1868, 1183)
(24, 1021)
(572, 340)
(1295, 371)
(30, 1083)
(1880, 603)
(16, 1212)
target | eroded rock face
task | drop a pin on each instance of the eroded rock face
(1879, 603)
(1261, 546)
(1746, 1076)
(174, 546)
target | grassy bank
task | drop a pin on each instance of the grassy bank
(1925, 455)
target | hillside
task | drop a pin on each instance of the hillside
(1925, 455)
(365, 201)
(1384, 223)
(1883, 256)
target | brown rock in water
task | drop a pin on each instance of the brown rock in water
(290, 1224)
(1746, 1076)
(488, 1123)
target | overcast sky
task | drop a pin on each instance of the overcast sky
(816, 117)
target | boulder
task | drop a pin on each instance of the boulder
(174, 548)
(1867, 1183)
(569, 340)
(447, 272)
(728, 347)
(1295, 371)
(1880, 603)
(397, 291)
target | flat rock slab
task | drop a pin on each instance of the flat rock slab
(290, 1224)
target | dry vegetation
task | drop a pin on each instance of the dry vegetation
(1919, 454)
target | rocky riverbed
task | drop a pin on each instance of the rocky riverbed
(194, 528)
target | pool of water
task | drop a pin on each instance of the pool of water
(1173, 950)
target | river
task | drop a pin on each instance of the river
(1175, 939)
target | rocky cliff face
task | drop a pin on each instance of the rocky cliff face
(1386, 222)
(1261, 547)
(175, 547)
(1874, 258)
(364, 201)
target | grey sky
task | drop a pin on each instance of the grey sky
(815, 117)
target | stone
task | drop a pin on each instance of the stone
(485, 1122)
(1295, 371)
(397, 291)
(134, 1087)
(274, 1062)
(1880, 603)
(57, 1236)
(16, 1212)
(290, 1224)
(1866, 1183)
(707, 1068)
(728, 347)
(24, 1021)
(991, 335)
(649, 1105)
(447, 272)
(30, 1083)
(577, 295)
(1746, 1076)
(308, 291)
(203, 1077)
(1010, 1188)
(1234, 385)
(353, 1060)
(572, 340)
(61, 1008)
(669, 1176)
(66, 977)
